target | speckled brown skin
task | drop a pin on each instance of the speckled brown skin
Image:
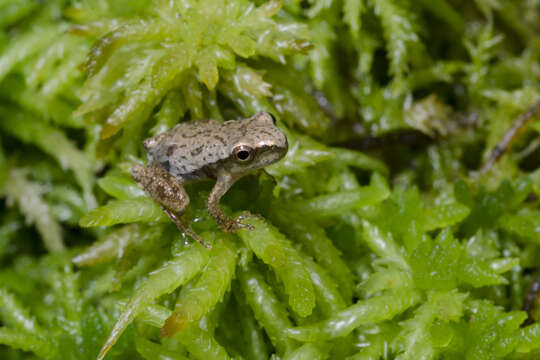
(172, 196)
(198, 150)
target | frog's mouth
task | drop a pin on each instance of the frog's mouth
(270, 154)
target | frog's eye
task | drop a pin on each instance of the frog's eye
(243, 153)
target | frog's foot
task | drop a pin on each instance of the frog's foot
(241, 225)
(229, 225)
(237, 224)
(186, 230)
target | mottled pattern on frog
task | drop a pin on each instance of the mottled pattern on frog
(203, 149)
(195, 150)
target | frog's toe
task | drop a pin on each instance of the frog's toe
(249, 226)
(240, 224)
(188, 231)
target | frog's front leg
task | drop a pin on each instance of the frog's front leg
(167, 192)
(223, 184)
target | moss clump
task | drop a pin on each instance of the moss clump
(376, 237)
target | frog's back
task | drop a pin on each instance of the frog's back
(189, 150)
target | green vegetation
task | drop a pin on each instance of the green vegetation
(375, 238)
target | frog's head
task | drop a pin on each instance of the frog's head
(261, 143)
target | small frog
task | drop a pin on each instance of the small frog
(198, 150)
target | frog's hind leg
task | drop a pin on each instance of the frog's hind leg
(185, 229)
(167, 192)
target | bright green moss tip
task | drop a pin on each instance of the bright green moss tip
(390, 230)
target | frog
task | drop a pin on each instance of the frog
(198, 150)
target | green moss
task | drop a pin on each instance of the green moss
(375, 237)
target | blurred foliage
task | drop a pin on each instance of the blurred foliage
(374, 238)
